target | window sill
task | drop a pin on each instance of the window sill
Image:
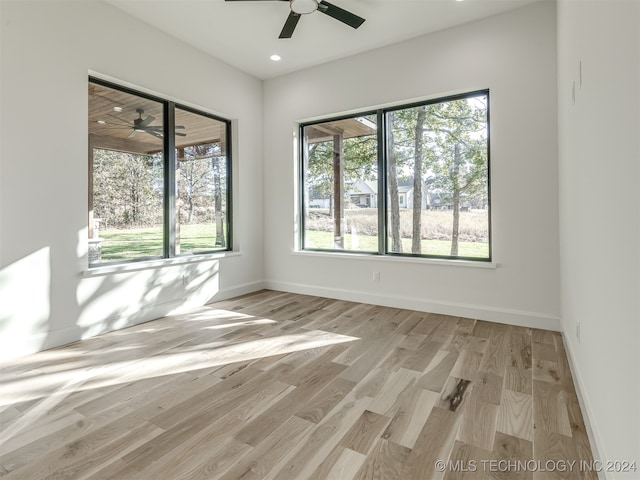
(398, 259)
(99, 270)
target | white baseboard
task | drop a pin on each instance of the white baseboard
(587, 413)
(480, 312)
(238, 290)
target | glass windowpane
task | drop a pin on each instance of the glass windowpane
(201, 183)
(126, 185)
(437, 179)
(341, 185)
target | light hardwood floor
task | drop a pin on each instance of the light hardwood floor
(281, 386)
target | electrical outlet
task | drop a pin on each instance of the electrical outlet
(578, 331)
(376, 276)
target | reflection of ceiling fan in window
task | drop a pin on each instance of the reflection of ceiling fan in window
(141, 125)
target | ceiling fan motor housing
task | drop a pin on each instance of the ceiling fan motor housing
(303, 7)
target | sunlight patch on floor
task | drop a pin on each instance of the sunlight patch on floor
(53, 387)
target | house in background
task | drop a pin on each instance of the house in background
(564, 122)
(364, 193)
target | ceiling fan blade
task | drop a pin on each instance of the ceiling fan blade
(155, 134)
(256, 0)
(133, 132)
(114, 125)
(180, 134)
(146, 121)
(340, 14)
(290, 25)
(160, 127)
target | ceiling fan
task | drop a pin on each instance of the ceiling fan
(141, 125)
(305, 7)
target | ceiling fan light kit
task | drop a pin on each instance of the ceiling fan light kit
(305, 7)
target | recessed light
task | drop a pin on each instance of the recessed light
(117, 109)
(101, 122)
(275, 57)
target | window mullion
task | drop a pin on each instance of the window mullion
(169, 180)
(228, 166)
(382, 182)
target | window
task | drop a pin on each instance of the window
(435, 159)
(159, 178)
(341, 184)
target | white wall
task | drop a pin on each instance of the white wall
(48, 49)
(514, 55)
(599, 156)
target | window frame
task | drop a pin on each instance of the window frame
(169, 178)
(382, 165)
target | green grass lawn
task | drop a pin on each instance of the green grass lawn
(135, 243)
(366, 243)
(147, 242)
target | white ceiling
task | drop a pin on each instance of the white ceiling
(245, 34)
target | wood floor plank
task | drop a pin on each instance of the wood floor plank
(264, 424)
(488, 387)
(467, 462)
(546, 371)
(564, 369)
(550, 409)
(274, 385)
(478, 426)
(554, 447)
(385, 462)
(518, 380)
(438, 371)
(197, 454)
(476, 344)
(379, 349)
(454, 394)
(373, 382)
(347, 465)
(423, 355)
(224, 393)
(515, 416)
(579, 430)
(520, 351)
(434, 443)
(324, 402)
(13, 458)
(496, 354)
(318, 445)
(428, 322)
(91, 451)
(412, 408)
(467, 365)
(511, 449)
(258, 462)
(363, 434)
(384, 401)
(413, 341)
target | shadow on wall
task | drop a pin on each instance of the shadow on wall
(42, 307)
(24, 304)
(115, 301)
